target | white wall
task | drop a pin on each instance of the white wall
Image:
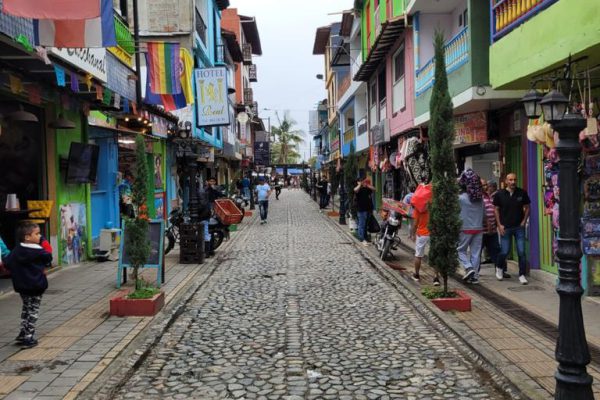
(428, 24)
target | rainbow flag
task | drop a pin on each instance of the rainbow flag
(164, 67)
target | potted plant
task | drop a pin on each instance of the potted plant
(145, 300)
(444, 210)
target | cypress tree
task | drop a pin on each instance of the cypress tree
(136, 240)
(350, 176)
(444, 221)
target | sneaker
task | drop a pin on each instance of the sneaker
(505, 275)
(468, 274)
(365, 243)
(436, 282)
(523, 280)
(29, 343)
(499, 274)
(415, 277)
(20, 338)
(474, 281)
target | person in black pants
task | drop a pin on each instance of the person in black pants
(278, 185)
(322, 187)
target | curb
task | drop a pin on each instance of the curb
(112, 379)
(506, 378)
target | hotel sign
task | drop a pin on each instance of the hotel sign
(212, 101)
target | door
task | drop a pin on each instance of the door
(105, 194)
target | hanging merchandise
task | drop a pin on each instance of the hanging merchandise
(416, 161)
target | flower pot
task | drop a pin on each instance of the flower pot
(121, 306)
(460, 303)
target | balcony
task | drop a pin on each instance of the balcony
(248, 97)
(252, 73)
(220, 54)
(247, 53)
(506, 15)
(456, 55)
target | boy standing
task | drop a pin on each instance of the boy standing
(420, 235)
(27, 263)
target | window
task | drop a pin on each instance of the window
(398, 96)
(466, 18)
(463, 19)
(200, 27)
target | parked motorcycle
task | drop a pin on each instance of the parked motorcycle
(241, 203)
(218, 232)
(172, 231)
(388, 237)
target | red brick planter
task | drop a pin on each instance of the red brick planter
(460, 303)
(247, 213)
(121, 306)
(333, 214)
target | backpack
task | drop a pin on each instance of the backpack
(472, 182)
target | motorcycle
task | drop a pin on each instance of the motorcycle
(388, 237)
(218, 232)
(241, 203)
(172, 231)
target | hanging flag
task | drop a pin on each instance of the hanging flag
(164, 67)
(107, 96)
(74, 82)
(60, 76)
(16, 85)
(117, 100)
(126, 105)
(52, 9)
(95, 32)
(43, 54)
(187, 71)
(35, 95)
(99, 92)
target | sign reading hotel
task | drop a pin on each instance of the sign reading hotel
(90, 60)
(212, 101)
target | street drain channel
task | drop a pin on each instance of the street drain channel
(532, 320)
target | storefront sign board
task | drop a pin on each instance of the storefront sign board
(470, 128)
(90, 60)
(212, 101)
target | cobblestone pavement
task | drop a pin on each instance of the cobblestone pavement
(295, 312)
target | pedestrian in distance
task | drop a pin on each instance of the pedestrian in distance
(472, 213)
(512, 211)
(263, 192)
(419, 233)
(322, 186)
(278, 186)
(364, 205)
(27, 264)
(211, 193)
(4, 252)
(491, 242)
(246, 187)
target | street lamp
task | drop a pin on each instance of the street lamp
(572, 380)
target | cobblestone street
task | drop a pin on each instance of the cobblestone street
(295, 311)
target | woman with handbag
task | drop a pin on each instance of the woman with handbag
(364, 205)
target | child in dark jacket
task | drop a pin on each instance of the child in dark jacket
(27, 263)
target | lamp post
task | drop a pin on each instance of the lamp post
(191, 230)
(572, 380)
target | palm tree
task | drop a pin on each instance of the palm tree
(287, 141)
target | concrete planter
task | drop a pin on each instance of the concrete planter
(121, 306)
(460, 303)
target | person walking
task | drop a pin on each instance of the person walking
(263, 192)
(472, 213)
(364, 206)
(278, 186)
(27, 264)
(246, 187)
(512, 211)
(491, 244)
(322, 186)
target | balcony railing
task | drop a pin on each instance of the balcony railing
(247, 53)
(506, 15)
(456, 54)
(252, 73)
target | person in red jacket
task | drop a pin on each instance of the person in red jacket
(27, 264)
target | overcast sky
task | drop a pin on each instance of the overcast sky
(287, 68)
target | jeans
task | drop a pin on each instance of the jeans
(323, 200)
(492, 245)
(246, 192)
(505, 244)
(472, 242)
(362, 225)
(206, 233)
(263, 206)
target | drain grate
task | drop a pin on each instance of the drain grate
(526, 288)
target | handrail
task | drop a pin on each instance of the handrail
(456, 52)
(506, 15)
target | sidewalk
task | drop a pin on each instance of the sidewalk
(77, 337)
(519, 351)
